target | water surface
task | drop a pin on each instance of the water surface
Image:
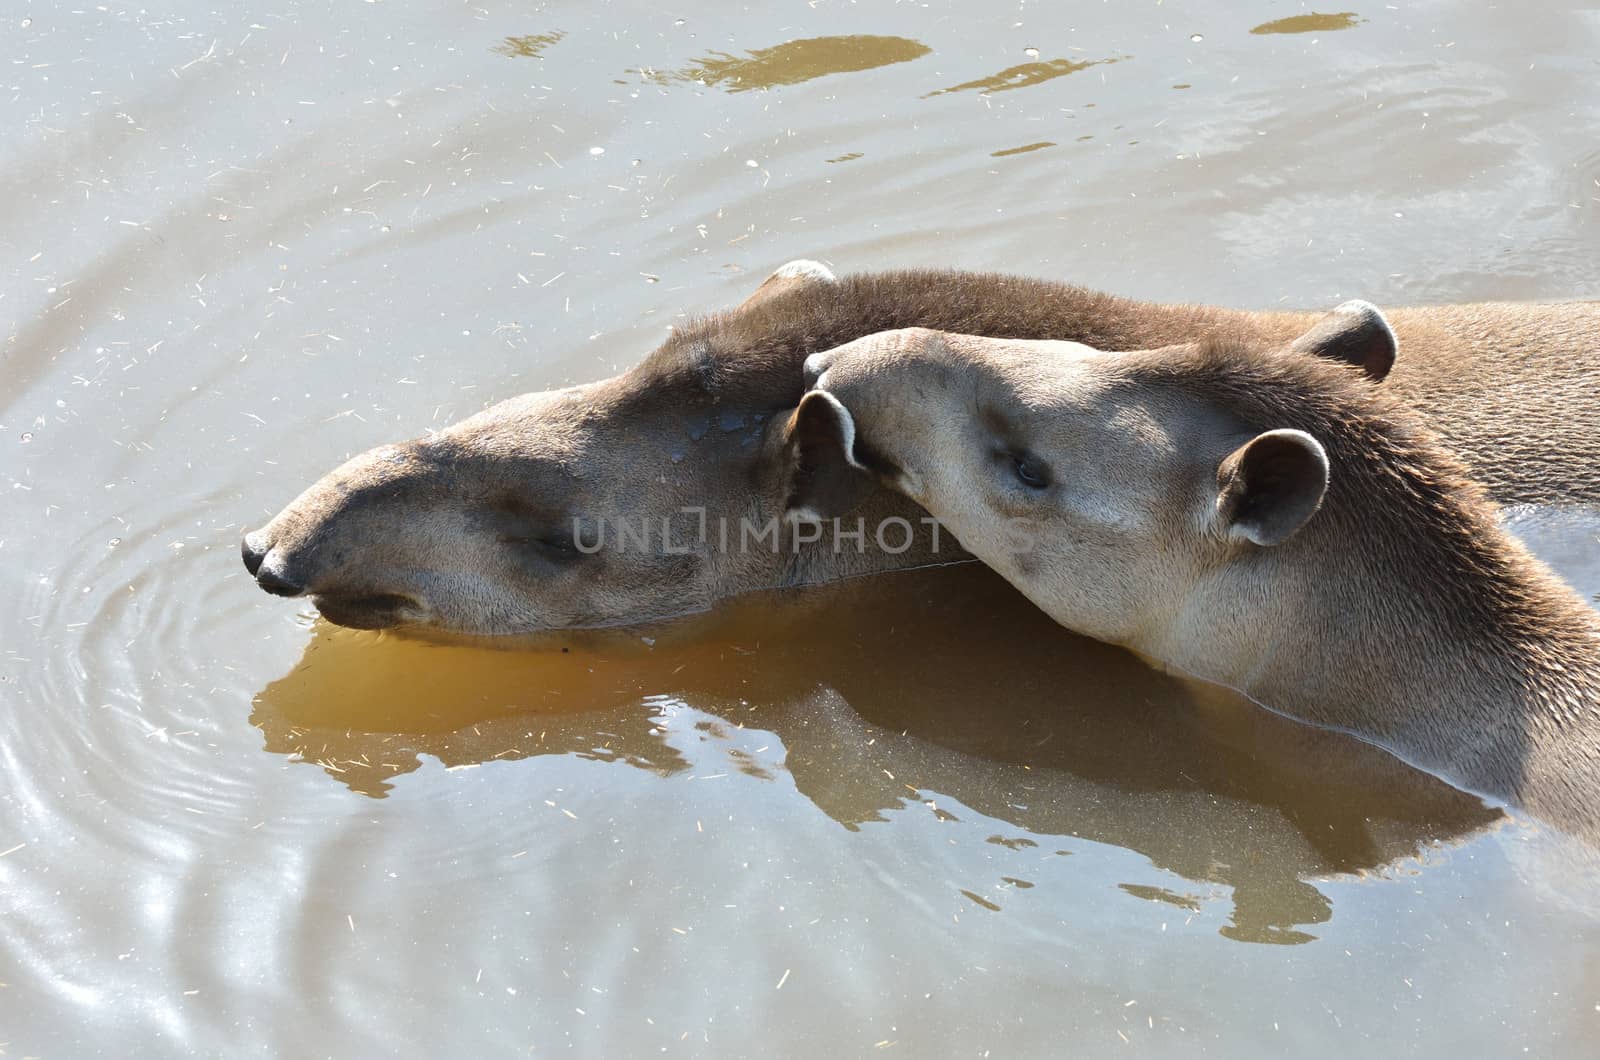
(903, 815)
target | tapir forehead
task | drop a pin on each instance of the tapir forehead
(529, 423)
(1054, 352)
(614, 434)
(1045, 377)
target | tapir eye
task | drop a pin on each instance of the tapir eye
(542, 535)
(556, 547)
(550, 543)
(1030, 471)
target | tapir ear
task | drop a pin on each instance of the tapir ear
(796, 274)
(1270, 486)
(1355, 333)
(824, 479)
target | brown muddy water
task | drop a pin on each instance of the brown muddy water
(904, 815)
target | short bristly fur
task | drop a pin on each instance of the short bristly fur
(1426, 626)
(1400, 610)
(455, 531)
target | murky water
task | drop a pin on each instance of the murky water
(905, 814)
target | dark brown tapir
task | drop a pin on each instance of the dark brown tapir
(662, 490)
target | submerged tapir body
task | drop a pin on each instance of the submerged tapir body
(511, 521)
(1268, 518)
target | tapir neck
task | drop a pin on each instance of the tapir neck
(1508, 706)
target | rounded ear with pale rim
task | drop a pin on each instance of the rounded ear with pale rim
(1355, 333)
(1269, 487)
(824, 481)
(799, 273)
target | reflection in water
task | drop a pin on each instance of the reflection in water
(195, 330)
(1310, 23)
(896, 692)
(795, 61)
(531, 46)
(1024, 76)
(1024, 149)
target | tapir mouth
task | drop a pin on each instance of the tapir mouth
(372, 611)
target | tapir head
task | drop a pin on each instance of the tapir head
(651, 494)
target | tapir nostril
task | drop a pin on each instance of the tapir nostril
(277, 584)
(252, 556)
